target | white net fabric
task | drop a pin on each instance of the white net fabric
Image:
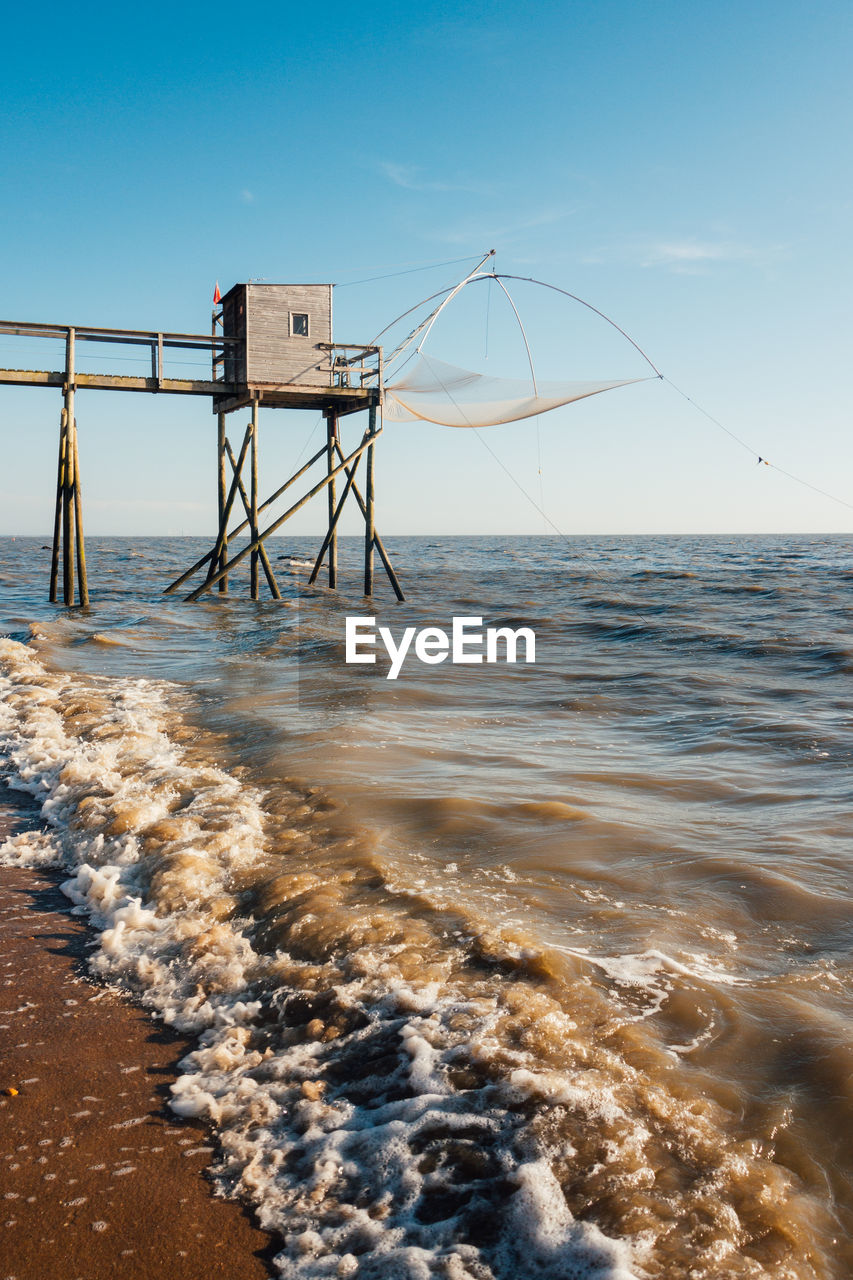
(433, 391)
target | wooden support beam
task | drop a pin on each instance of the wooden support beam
(380, 546)
(262, 552)
(199, 564)
(229, 502)
(68, 486)
(253, 513)
(331, 542)
(369, 525)
(330, 533)
(82, 577)
(57, 518)
(220, 482)
(241, 555)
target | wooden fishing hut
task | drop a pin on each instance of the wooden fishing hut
(271, 346)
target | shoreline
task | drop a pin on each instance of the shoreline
(96, 1174)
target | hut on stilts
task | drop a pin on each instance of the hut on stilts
(271, 346)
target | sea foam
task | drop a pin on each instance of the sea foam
(395, 1097)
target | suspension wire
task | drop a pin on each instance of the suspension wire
(488, 309)
(523, 334)
(590, 564)
(494, 275)
(429, 266)
(308, 440)
(540, 506)
(565, 537)
(754, 452)
(539, 460)
(589, 307)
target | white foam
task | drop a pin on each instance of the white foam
(30, 849)
(341, 1144)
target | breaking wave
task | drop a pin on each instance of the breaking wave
(399, 1089)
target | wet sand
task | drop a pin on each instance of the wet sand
(92, 1164)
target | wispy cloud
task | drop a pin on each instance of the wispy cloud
(686, 256)
(412, 178)
(500, 232)
(691, 255)
(247, 196)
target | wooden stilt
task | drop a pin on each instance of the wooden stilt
(331, 533)
(199, 564)
(221, 478)
(253, 528)
(247, 507)
(331, 542)
(276, 524)
(57, 518)
(82, 578)
(369, 530)
(379, 544)
(68, 486)
(221, 537)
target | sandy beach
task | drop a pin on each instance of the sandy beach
(93, 1163)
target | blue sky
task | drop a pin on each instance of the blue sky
(683, 167)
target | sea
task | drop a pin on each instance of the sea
(495, 971)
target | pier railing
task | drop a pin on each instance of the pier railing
(349, 364)
(352, 365)
(160, 346)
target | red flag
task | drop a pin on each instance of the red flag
(217, 296)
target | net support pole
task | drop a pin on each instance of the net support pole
(332, 536)
(369, 523)
(253, 527)
(221, 479)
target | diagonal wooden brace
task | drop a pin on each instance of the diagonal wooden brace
(377, 541)
(199, 564)
(226, 514)
(334, 522)
(247, 507)
(253, 545)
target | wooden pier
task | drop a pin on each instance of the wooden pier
(270, 346)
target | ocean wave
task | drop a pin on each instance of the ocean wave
(398, 1093)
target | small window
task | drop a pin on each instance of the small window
(298, 324)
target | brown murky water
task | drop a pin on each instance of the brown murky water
(537, 970)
